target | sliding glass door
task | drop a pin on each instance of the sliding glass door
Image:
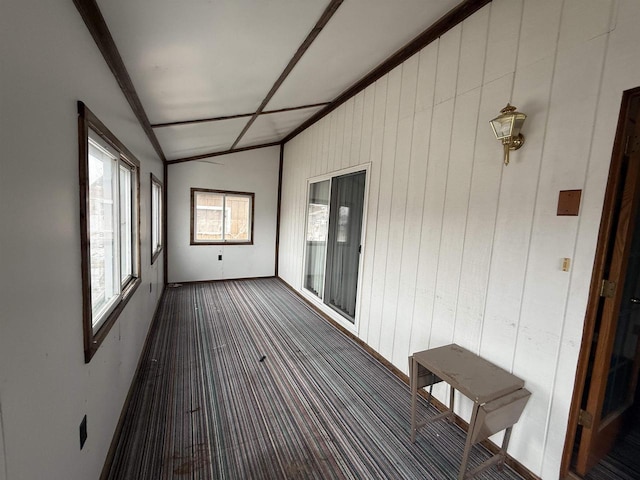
(334, 231)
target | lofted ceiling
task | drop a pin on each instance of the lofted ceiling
(214, 76)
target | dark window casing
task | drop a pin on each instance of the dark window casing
(224, 193)
(93, 339)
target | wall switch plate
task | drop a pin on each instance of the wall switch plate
(83, 431)
(569, 202)
(219, 257)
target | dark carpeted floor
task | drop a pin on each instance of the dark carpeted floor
(242, 380)
(623, 462)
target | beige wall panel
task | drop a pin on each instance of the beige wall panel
(379, 107)
(454, 216)
(539, 31)
(398, 202)
(432, 218)
(564, 167)
(517, 194)
(481, 220)
(406, 331)
(340, 134)
(356, 132)
(502, 42)
(583, 20)
(409, 87)
(389, 138)
(367, 124)
(473, 47)
(427, 59)
(447, 70)
(348, 132)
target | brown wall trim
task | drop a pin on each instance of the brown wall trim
(218, 154)
(116, 435)
(320, 24)
(492, 447)
(280, 168)
(93, 19)
(240, 115)
(446, 23)
(196, 282)
(605, 236)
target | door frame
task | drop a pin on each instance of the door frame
(605, 236)
(319, 302)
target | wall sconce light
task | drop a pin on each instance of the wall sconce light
(506, 128)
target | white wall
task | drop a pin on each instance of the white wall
(251, 171)
(459, 248)
(49, 61)
(3, 465)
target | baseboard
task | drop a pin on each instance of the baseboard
(195, 282)
(489, 445)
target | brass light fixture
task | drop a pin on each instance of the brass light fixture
(506, 128)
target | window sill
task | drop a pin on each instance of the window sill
(96, 339)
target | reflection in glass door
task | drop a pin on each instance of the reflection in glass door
(317, 229)
(334, 229)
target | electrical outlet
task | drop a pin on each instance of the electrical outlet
(219, 257)
(83, 431)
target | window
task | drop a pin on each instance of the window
(156, 218)
(221, 217)
(110, 240)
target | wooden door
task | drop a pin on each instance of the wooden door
(614, 358)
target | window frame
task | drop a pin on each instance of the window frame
(93, 337)
(157, 249)
(224, 193)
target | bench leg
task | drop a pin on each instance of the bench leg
(468, 445)
(413, 381)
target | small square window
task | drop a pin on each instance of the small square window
(221, 217)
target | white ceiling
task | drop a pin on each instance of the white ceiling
(201, 59)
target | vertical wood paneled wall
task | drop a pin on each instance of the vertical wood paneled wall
(460, 248)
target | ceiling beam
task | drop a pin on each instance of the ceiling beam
(93, 19)
(240, 115)
(455, 16)
(324, 19)
(225, 152)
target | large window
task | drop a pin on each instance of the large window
(110, 240)
(156, 218)
(221, 217)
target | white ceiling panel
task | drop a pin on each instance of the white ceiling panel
(192, 59)
(195, 139)
(275, 126)
(360, 36)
